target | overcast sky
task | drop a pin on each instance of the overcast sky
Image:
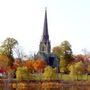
(67, 20)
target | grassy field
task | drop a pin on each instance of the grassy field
(74, 77)
(65, 77)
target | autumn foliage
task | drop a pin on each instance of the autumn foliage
(39, 65)
(4, 60)
(29, 64)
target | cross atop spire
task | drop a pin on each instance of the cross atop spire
(45, 36)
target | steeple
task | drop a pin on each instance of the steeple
(45, 46)
(45, 36)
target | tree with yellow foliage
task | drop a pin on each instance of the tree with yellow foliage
(49, 73)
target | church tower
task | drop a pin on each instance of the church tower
(44, 52)
(45, 46)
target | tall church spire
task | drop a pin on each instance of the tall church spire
(45, 36)
(45, 46)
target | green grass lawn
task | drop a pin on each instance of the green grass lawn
(74, 77)
(65, 77)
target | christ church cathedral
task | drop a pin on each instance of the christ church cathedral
(45, 46)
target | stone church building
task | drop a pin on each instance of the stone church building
(45, 46)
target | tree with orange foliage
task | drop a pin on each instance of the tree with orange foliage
(29, 65)
(39, 65)
(4, 60)
(5, 65)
